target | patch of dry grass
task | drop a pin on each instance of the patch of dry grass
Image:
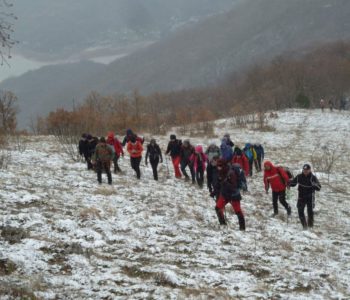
(90, 213)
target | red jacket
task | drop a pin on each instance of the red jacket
(118, 148)
(135, 149)
(243, 161)
(276, 177)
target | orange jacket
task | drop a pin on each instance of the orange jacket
(135, 149)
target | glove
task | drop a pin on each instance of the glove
(146, 162)
(212, 194)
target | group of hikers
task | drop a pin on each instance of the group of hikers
(227, 167)
(343, 104)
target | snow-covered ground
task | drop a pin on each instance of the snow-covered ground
(65, 237)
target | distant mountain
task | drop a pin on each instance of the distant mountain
(54, 29)
(254, 32)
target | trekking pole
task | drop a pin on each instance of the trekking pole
(167, 166)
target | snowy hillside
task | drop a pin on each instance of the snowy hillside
(65, 237)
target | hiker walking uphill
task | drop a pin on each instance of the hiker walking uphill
(212, 151)
(213, 177)
(154, 154)
(250, 153)
(276, 178)
(260, 155)
(226, 149)
(231, 181)
(117, 148)
(102, 158)
(227, 137)
(130, 134)
(307, 185)
(84, 150)
(174, 149)
(199, 160)
(240, 158)
(135, 149)
(186, 153)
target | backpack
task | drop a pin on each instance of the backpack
(288, 172)
(249, 154)
(104, 153)
(237, 182)
(226, 151)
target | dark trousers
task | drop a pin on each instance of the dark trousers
(115, 163)
(154, 164)
(87, 158)
(200, 177)
(308, 202)
(135, 164)
(281, 196)
(251, 168)
(184, 165)
(106, 166)
(258, 163)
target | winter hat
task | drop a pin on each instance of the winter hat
(238, 151)
(153, 141)
(227, 136)
(102, 140)
(173, 137)
(129, 132)
(110, 135)
(89, 136)
(306, 167)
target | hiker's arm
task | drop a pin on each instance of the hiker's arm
(315, 183)
(294, 181)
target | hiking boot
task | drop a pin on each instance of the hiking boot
(289, 211)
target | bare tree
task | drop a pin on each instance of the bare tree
(8, 112)
(6, 30)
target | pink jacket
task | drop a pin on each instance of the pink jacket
(198, 157)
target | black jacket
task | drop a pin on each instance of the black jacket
(307, 185)
(153, 153)
(174, 148)
(186, 153)
(84, 147)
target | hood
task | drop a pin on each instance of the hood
(248, 145)
(269, 164)
(199, 149)
(129, 132)
(110, 135)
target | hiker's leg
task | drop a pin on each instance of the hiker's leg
(154, 165)
(275, 203)
(176, 163)
(310, 212)
(99, 171)
(219, 208)
(301, 207)
(184, 165)
(236, 205)
(282, 198)
(107, 167)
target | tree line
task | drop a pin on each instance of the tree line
(289, 81)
